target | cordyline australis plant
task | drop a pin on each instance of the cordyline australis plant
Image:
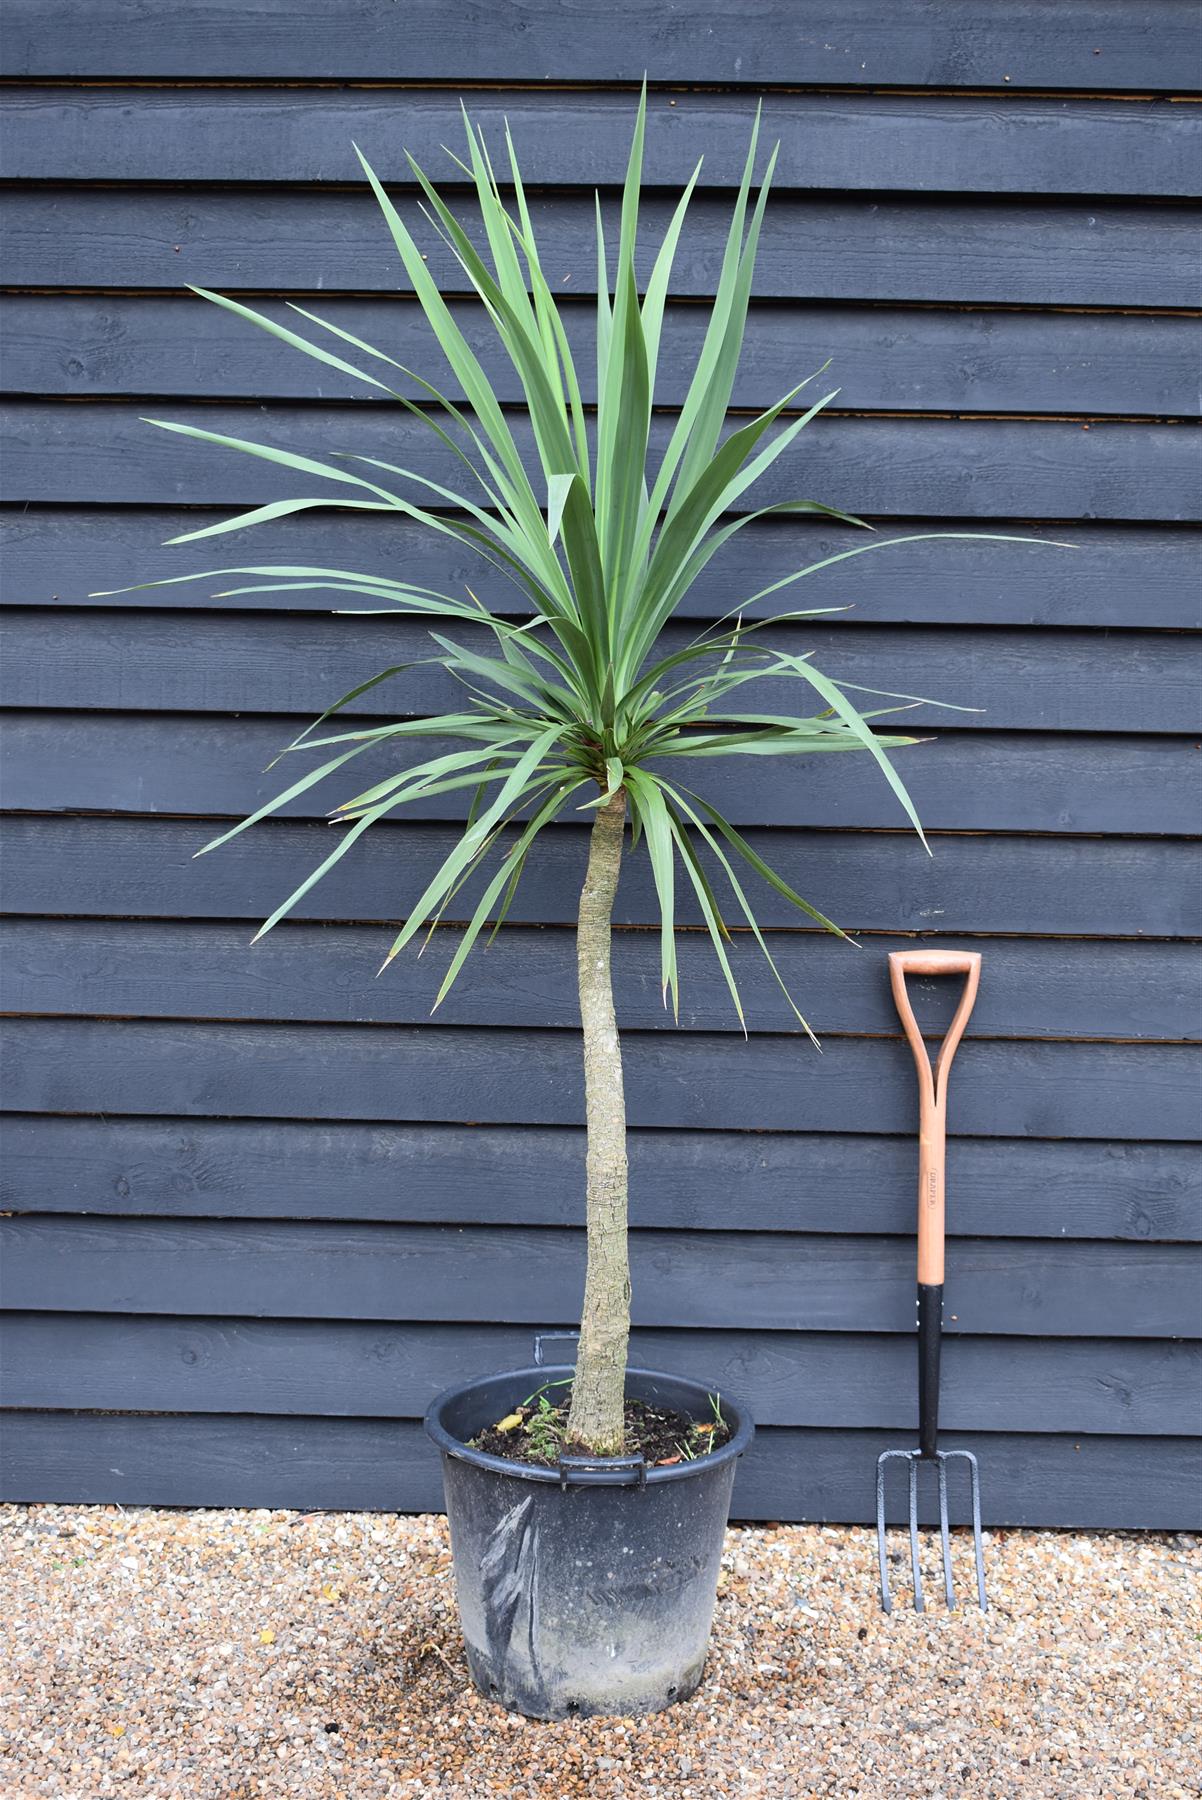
(575, 707)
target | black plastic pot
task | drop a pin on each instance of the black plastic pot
(588, 1588)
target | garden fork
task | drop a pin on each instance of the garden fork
(932, 1136)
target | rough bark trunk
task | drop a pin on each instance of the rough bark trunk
(596, 1417)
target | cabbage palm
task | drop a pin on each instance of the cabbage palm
(575, 706)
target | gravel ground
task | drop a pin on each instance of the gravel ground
(211, 1655)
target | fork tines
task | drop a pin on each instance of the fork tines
(940, 1458)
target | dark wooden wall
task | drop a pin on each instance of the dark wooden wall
(258, 1210)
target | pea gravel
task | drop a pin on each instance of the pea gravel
(166, 1655)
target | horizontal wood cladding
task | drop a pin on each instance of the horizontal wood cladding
(786, 1181)
(942, 43)
(257, 1208)
(691, 1081)
(168, 662)
(962, 781)
(354, 1369)
(914, 142)
(889, 358)
(105, 453)
(1117, 576)
(390, 1466)
(1035, 988)
(535, 1275)
(1037, 252)
(147, 868)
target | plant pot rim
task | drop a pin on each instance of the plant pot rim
(540, 1373)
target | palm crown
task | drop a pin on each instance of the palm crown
(574, 697)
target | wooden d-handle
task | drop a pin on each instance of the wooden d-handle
(937, 962)
(932, 1090)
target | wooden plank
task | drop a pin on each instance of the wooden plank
(1008, 144)
(813, 1379)
(965, 781)
(103, 453)
(945, 43)
(146, 868)
(1118, 577)
(707, 1181)
(432, 1074)
(1083, 774)
(1037, 253)
(812, 1282)
(238, 661)
(888, 358)
(1088, 1479)
(1034, 989)
(1141, 1483)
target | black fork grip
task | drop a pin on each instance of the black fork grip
(930, 1336)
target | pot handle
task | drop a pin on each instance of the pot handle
(551, 1337)
(602, 1471)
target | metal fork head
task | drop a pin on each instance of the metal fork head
(940, 1458)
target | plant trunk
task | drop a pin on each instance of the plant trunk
(598, 1392)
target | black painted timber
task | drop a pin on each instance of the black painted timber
(941, 43)
(1038, 988)
(699, 1081)
(915, 143)
(331, 1270)
(782, 1181)
(965, 781)
(101, 346)
(107, 454)
(361, 1369)
(1039, 253)
(258, 1207)
(228, 662)
(146, 868)
(1117, 576)
(388, 1465)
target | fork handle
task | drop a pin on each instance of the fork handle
(930, 1345)
(932, 1090)
(932, 1156)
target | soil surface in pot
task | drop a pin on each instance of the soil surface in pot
(536, 1432)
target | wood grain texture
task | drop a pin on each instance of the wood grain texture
(235, 662)
(947, 43)
(1032, 989)
(736, 1280)
(699, 1082)
(106, 454)
(1040, 253)
(1009, 144)
(707, 1181)
(389, 1466)
(964, 781)
(888, 358)
(348, 1369)
(1120, 577)
(146, 868)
